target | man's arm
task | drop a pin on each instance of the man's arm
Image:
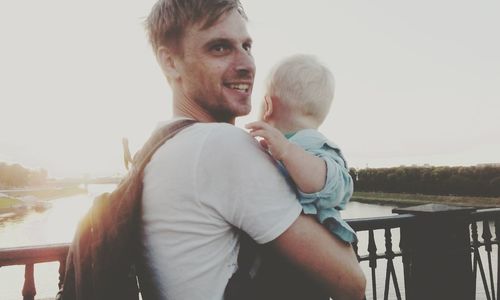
(255, 197)
(332, 262)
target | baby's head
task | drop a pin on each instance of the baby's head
(299, 94)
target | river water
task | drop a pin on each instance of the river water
(57, 224)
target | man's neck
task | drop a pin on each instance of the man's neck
(200, 117)
(189, 109)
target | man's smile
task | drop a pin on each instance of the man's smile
(239, 86)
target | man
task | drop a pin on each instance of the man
(213, 178)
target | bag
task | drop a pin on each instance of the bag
(104, 258)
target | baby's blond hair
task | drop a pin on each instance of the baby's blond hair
(304, 84)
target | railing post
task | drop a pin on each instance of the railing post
(437, 249)
(29, 290)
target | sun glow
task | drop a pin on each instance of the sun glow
(409, 91)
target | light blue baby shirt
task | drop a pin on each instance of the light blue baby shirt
(338, 189)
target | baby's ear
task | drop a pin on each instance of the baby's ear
(268, 107)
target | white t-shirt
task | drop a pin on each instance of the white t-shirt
(199, 186)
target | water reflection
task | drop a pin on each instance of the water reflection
(57, 224)
(18, 215)
(362, 210)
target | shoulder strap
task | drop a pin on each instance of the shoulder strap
(157, 139)
(129, 191)
(141, 159)
(107, 237)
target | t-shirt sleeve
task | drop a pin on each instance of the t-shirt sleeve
(244, 185)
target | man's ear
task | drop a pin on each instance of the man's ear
(167, 62)
(268, 107)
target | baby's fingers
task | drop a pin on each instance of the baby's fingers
(256, 125)
(259, 133)
(264, 144)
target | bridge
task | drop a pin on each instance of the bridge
(427, 252)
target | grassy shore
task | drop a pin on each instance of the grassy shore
(8, 202)
(50, 193)
(41, 194)
(416, 199)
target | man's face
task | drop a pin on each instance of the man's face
(217, 69)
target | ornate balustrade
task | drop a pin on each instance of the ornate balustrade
(482, 239)
(433, 241)
(384, 225)
(29, 256)
(412, 255)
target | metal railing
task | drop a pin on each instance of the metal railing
(372, 254)
(484, 249)
(381, 244)
(29, 256)
(482, 238)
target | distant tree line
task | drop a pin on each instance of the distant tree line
(460, 181)
(16, 175)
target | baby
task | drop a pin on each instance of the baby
(298, 97)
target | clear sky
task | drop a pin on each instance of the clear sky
(418, 82)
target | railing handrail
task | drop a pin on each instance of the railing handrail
(486, 214)
(33, 254)
(58, 252)
(362, 224)
(54, 252)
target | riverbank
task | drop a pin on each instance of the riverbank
(416, 199)
(48, 193)
(6, 203)
(13, 199)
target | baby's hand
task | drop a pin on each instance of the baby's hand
(272, 139)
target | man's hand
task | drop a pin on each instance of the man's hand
(272, 139)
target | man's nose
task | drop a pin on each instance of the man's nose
(245, 64)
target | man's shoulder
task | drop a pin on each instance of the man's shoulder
(223, 128)
(226, 135)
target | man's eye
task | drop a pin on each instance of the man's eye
(220, 48)
(247, 47)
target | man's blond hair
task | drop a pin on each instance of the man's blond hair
(168, 19)
(304, 84)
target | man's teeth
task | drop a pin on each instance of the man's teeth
(241, 87)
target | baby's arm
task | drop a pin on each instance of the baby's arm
(307, 171)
